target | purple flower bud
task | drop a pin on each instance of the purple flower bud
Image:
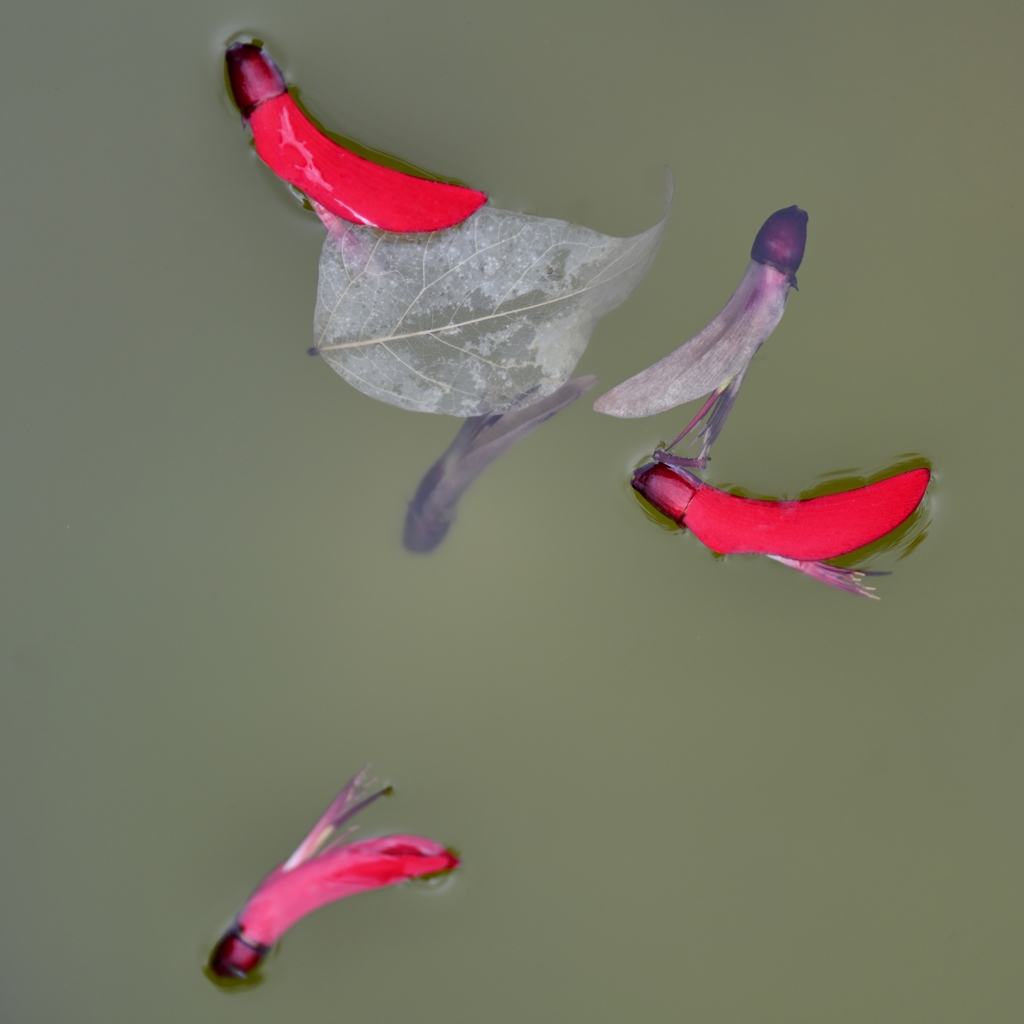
(781, 240)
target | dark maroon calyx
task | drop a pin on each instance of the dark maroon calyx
(780, 242)
(669, 490)
(233, 957)
(253, 75)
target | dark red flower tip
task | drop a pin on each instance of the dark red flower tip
(668, 490)
(233, 957)
(253, 75)
(781, 240)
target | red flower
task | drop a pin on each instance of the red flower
(336, 180)
(800, 534)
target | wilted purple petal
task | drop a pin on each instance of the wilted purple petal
(717, 357)
(712, 358)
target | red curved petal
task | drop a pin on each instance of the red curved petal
(351, 187)
(812, 529)
(285, 897)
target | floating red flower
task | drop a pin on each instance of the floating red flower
(336, 180)
(800, 534)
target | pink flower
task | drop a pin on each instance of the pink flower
(321, 871)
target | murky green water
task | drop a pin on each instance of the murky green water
(685, 789)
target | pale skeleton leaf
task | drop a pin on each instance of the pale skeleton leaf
(486, 317)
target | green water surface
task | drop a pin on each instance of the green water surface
(684, 788)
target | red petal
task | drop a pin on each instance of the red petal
(389, 869)
(812, 529)
(358, 190)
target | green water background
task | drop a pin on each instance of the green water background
(685, 789)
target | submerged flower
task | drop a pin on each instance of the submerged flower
(480, 440)
(321, 871)
(338, 182)
(800, 534)
(716, 359)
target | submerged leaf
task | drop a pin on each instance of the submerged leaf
(486, 317)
